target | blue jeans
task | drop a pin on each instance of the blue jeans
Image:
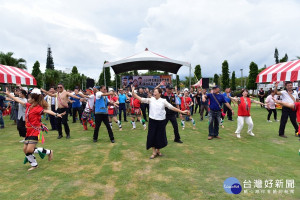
(214, 121)
(1, 119)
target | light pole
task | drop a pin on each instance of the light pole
(242, 84)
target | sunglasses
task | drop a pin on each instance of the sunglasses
(59, 87)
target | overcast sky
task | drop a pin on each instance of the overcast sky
(205, 32)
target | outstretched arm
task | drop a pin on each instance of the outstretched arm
(257, 102)
(14, 98)
(134, 94)
(50, 112)
(289, 105)
(48, 93)
(275, 89)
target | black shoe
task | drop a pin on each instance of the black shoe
(201, 119)
(68, 137)
(60, 136)
(178, 141)
(284, 136)
(73, 122)
(95, 140)
(230, 120)
(125, 121)
(112, 141)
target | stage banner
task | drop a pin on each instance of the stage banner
(145, 81)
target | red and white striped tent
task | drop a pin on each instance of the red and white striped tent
(287, 71)
(198, 84)
(14, 75)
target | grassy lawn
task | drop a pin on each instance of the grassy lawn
(195, 169)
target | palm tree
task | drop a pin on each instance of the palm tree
(7, 59)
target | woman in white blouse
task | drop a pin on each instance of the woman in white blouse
(157, 138)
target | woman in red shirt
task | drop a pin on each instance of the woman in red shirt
(186, 103)
(35, 107)
(244, 106)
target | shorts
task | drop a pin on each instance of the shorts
(113, 112)
(31, 140)
(136, 112)
(86, 115)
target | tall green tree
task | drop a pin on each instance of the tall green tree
(276, 56)
(197, 72)
(216, 79)
(37, 74)
(74, 70)
(253, 72)
(52, 77)
(225, 75)
(49, 62)
(284, 59)
(135, 72)
(9, 60)
(233, 84)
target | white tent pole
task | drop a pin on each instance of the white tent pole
(116, 82)
(104, 76)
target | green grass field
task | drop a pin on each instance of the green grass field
(195, 169)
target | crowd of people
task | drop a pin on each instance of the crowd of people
(95, 105)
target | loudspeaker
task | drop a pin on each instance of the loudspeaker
(90, 83)
(205, 83)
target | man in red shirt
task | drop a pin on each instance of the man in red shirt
(135, 105)
(186, 103)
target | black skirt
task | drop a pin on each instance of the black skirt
(156, 134)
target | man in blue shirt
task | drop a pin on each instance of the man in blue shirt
(122, 106)
(2, 99)
(227, 95)
(76, 106)
(216, 101)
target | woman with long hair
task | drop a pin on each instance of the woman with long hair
(35, 107)
(157, 138)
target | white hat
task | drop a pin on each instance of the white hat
(110, 89)
(186, 90)
(36, 91)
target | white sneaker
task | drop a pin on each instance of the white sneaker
(252, 134)
(277, 120)
(238, 135)
(269, 121)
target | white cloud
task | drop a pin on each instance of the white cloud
(208, 32)
(201, 32)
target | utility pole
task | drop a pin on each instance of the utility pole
(242, 82)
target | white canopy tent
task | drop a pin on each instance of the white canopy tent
(147, 60)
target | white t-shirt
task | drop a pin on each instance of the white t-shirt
(269, 100)
(157, 107)
(90, 103)
(98, 95)
(286, 97)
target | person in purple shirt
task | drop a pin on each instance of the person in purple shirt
(216, 101)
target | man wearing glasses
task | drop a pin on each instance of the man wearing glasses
(62, 97)
(101, 113)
